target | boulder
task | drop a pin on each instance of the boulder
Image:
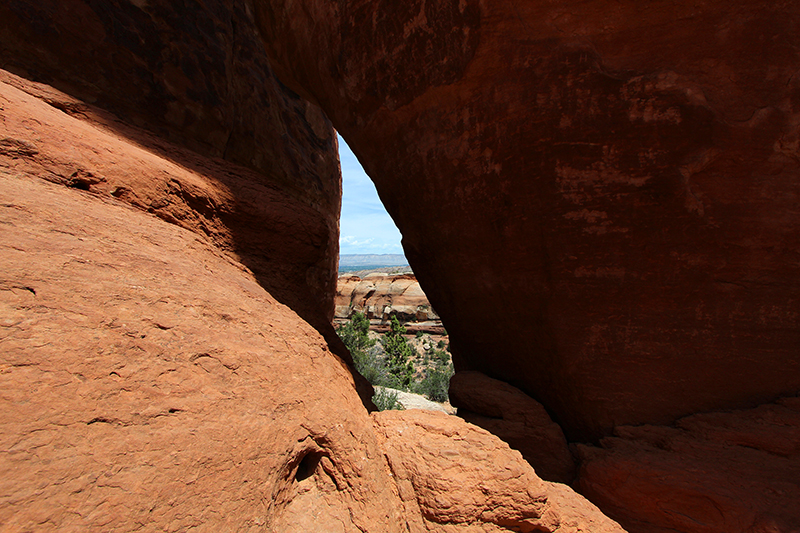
(516, 418)
(452, 476)
(599, 198)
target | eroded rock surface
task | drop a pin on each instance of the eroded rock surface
(732, 472)
(516, 418)
(452, 476)
(598, 198)
(150, 383)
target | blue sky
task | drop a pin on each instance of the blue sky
(365, 226)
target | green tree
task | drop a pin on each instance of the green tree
(399, 355)
(355, 335)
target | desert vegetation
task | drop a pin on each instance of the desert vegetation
(399, 361)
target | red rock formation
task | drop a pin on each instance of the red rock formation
(381, 295)
(599, 198)
(734, 472)
(149, 381)
(516, 418)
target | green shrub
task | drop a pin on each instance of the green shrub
(435, 383)
(386, 400)
(355, 334)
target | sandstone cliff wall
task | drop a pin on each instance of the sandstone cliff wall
(599, 198)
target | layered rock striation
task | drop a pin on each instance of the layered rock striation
(380, 296)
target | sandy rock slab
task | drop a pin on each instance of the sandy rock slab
(731, 472)
(148, 383)
(452, 476)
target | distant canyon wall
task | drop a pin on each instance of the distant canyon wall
(380, 296)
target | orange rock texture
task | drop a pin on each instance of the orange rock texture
(150, 382)
(599, 198)
(453, 477)
(516, 418)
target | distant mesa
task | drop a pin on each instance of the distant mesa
(359, 262)
(380, 296)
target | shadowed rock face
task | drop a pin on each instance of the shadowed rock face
(733, 472)
(600, 199)
(196, 74)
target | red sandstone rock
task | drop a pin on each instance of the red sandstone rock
(149, 382)
(599, 198)
(452, 476)
(516, 418)
(736, 472)
(381, 295)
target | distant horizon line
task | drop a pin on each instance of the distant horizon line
(367, 253)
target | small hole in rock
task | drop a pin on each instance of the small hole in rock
(80, 184)
(308, 465)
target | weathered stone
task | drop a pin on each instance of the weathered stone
(452, 477)
(734, 472)
(149, 382)
(598, 198)
(516, 418)
(196, 74)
